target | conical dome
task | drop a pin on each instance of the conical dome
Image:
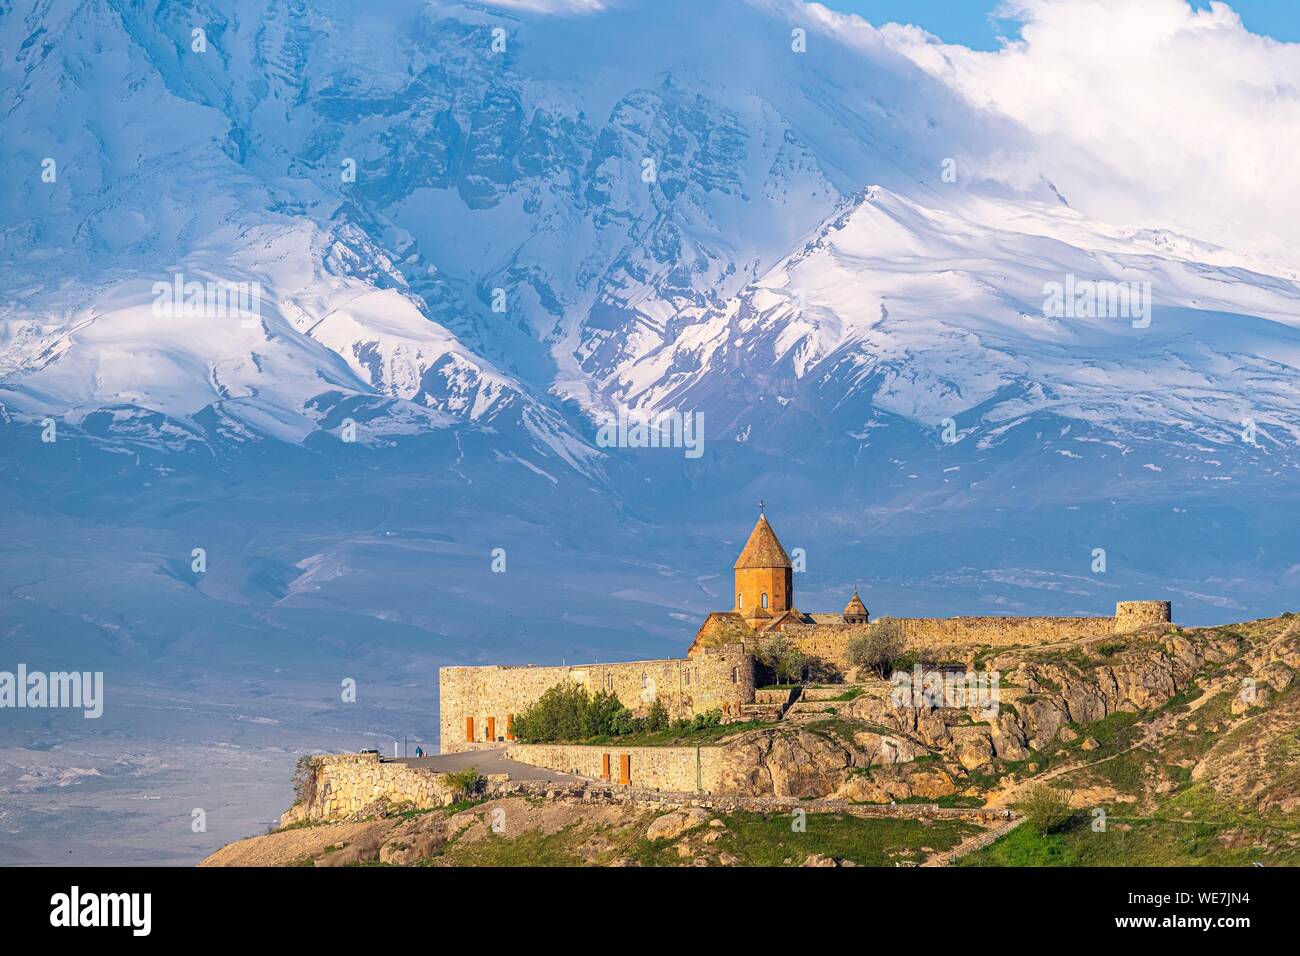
(762, 550)
(855, 612)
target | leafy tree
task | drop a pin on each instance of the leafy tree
(790, 665)
(1047, 809)
(656, 719)
(877, 648)
(559, 714)
(603, 712)
(624, 723)
(781, 657)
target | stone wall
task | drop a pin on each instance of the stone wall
(1131, 615)
(958, 637)
(349, 783)
(940, 632)
(683, 769)
(346, 783)
(478, 704)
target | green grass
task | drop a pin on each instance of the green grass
(675, 738)
(1148, 843)
(1124, 772)
(835, 727)
(767, 840)
(1215, 834)
(755, 839)
(531, 848)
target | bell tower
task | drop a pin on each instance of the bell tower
(764, 575)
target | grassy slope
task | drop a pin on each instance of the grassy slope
(1158, 816)
(753, 839)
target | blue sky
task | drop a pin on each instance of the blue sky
(968, 21)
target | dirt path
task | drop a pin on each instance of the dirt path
(1152, 732)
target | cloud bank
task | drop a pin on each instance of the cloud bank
(1146, 113)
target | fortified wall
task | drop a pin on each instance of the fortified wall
(346, 784)
(959, 637)
(477, 704)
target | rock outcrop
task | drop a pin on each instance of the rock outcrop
(871, 751)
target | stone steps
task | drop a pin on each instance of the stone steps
(830, 693)
(813, 707)
(760, 711)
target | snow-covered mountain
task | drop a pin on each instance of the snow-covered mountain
(551, 208)
(476, 231)
(340, 296)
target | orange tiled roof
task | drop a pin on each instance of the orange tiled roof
(762, 550)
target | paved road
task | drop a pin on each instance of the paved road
(485, 761)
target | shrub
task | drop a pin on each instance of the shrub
(305, 772)
(559, 714)
(911, 657)
(710, 718)
(656, 719)
(1047, 809)
(878, 648)
(602, 715)
(623, 723)
(465, 783)
(566, 712)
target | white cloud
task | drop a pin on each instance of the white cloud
(1144, 113)
(551, 6)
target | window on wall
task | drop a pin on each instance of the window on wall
(740, 600)
(735, 674)
(687, 675)
(764, 599)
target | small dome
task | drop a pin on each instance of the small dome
(855, 612)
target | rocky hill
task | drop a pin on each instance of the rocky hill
(1182, 742)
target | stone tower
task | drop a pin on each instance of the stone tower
(764, 575)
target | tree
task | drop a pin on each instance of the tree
(1047, 809)
(877, 648)
(782, 657)
(559, 714)
(656, 718)
(790, 665)
(603, 715)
